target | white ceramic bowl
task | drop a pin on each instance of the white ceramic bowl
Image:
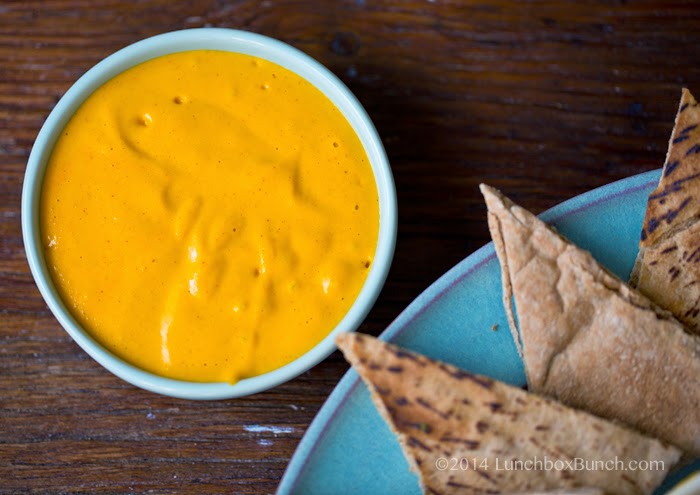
(234, 41)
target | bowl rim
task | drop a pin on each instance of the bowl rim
(210, 39)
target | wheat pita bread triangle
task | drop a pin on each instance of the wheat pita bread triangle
(667, 269)
(589, 340)
(440, 413)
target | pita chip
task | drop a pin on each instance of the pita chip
(442, 415)
(667, 269)
(589, 340)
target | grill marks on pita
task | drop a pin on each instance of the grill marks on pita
(667, 269)
(439, 413)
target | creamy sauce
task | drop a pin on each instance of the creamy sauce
(209, 216)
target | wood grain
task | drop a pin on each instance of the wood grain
(543, 99)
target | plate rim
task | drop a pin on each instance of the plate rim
(350, 380)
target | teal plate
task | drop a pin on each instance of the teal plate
(348, 449)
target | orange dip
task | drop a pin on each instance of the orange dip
(209, 216)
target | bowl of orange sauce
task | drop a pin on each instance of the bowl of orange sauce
(204, 210)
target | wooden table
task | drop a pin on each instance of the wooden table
(544, 100)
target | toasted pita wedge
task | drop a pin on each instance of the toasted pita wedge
(667, 269)
(442, 415)
(589, 340)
